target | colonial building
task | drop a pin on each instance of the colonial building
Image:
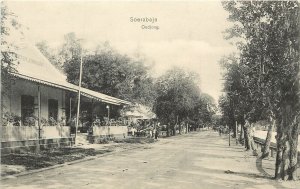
(37, 107)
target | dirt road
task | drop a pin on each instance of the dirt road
(198, 160)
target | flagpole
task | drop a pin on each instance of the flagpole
(79, 93)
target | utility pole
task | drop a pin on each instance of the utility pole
(79, 93)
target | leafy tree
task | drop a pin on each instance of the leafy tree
(10, 28)
(216, 120)
(179, 100)
(242, 103)
(254, 59)
(109, 72)
(71, 49)
(204, 110)
(50, 54)
(269, 47)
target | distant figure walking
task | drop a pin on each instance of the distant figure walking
(220, 131)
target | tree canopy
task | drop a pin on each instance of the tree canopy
(11, 34)
(179, 99)
(10, 29)
(104, 70)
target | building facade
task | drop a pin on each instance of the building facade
(37, 106)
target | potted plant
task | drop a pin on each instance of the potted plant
(16, 120)
(30, 121)
(62, 121)
(6, 119)
(44, 122)
(10, 119)
(52, 121)
(97, 122)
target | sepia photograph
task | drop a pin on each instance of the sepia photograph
(128, 94)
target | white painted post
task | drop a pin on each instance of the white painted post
(236, 131)
(39, 119)
(79, 93)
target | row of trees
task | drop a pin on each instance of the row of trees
(180, 102)
(262, 80)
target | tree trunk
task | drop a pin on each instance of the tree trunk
(168, 130)
(242, 135)
(249, 135)
(234, 130)
(253, 146)
(174, 130)
(266, 148)
(293, 156)
(285, 160)
(180, 128)
(280, 146)
(247, 138)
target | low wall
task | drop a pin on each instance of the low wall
(22, 133)
(100, 130)
(14, 133)
(34, 145)
(273, 147)
(55, 132)
(262, 135)
(108, 132)
(18, 139)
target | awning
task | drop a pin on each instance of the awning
(103, 97)
(66, 85)
(74, 88)
(140, 111)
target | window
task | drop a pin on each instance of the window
(53, 108)
(27, 107)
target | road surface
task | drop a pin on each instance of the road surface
(197, 160)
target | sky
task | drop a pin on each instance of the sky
(190, 33)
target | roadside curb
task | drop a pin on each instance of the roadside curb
(89, 158)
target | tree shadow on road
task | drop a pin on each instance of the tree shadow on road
(260, 168)
(265, 178)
